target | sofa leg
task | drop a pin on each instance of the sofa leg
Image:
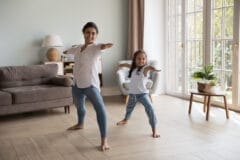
(67, 109)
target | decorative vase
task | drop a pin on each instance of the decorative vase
(205, 87)
(53, 55)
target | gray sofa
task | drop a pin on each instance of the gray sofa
(32, 88)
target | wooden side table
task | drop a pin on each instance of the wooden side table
(207, 99)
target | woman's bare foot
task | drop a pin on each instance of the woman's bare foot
(105, 147)
(122, 122)
(76, 127)
(104, 144)
(155, 134)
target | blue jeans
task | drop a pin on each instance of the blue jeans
(144, 99)
(93, 94)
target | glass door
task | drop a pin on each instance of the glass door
(222, 43)
(175, 47)
(201, 32)
(194, 39)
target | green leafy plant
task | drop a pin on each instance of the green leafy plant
(206, 75)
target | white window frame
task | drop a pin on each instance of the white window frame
(207, 46)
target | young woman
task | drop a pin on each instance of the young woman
(137, 89)
(86, 80)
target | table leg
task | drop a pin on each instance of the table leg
(205, 103)
(208, 107)
(226, 107)
(190, 104)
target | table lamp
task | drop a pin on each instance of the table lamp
(51, 42)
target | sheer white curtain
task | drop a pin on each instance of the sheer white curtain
(154, 35)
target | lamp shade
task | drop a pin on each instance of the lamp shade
(52, 41)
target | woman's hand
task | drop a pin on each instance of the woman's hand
(106, 45)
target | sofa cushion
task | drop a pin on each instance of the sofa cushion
(5, 99)
(61, 81)
(29, 94)
(14, 76)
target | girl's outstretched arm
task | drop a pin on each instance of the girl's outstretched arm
(150, 68)
(106, 45)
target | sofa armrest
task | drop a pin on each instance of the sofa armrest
(61, 81)
(156, 80)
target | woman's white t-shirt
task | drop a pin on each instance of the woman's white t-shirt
(138, 82)
(85, 71)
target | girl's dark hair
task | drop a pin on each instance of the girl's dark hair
(90, 25)
(133, 65)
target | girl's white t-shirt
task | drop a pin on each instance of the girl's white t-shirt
(138, 82)
(85, 71)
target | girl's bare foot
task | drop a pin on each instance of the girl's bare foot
(104, 144)
(122, 122)
(76, 127)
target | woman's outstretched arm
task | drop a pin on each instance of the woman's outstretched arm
(106, 45)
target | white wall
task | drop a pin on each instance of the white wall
(24, 23)
(154, 35)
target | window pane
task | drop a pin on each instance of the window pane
(228, 80)
(228, 85)
(199, 5)
(171, 25)
(178, 7)
(190, 26)
(199, 25)
(219, 75)
(217, 3)
(191, 51)
(229, 22)
(228, 2)
(179, 70)
(199, 54)
(217, 54)
(228, 54)
(178, 28)
(190, 7)
(217, 23)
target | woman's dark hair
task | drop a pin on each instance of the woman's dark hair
(133, 65)
(90, 25)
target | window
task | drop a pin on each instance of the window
(175, 44)
(202, 32)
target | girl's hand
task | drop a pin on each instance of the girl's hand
(106, 45)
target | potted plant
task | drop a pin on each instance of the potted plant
(206, 79)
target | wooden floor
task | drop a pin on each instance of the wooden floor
(43, 136)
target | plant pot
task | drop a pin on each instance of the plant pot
(205, 87)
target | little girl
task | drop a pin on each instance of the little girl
(137, 89)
